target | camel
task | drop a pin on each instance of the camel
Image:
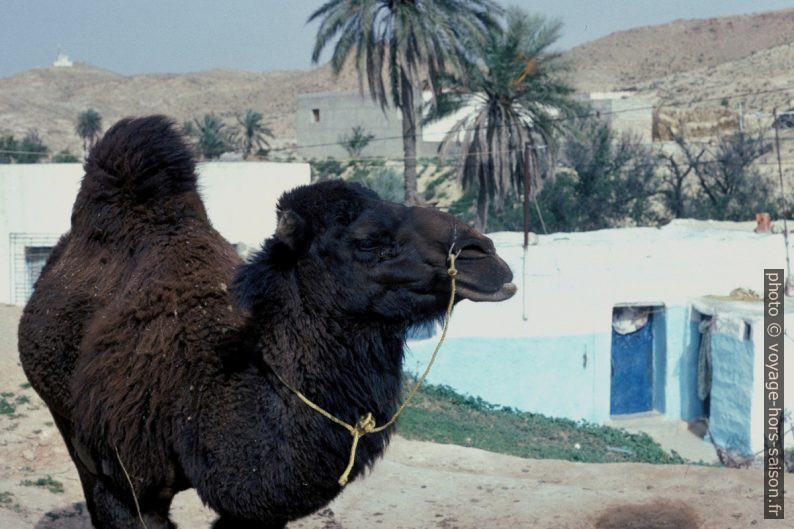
(159, 352)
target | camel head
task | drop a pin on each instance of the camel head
(369, 257)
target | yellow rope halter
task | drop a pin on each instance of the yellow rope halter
(366, 424)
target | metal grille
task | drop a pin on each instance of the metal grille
(29, 252)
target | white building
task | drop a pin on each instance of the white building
(36, 204)
(554, 348)
(62, 61)
(625, 112)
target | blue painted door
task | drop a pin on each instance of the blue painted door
(632, 370)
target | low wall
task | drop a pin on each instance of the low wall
(566, 376)
(240, 198)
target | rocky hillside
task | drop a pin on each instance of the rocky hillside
(627, 59)
(703, 62)
(49, 99)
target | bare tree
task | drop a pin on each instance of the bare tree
(729, 186)
(675, 188)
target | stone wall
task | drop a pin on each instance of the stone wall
(323, 118)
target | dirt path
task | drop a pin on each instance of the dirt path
(417, 485)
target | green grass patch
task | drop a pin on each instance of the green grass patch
(22, 399)
(25, 385)
(7, 502)
(52, 485)
(6, 407)
(441, 415)
(6, 497)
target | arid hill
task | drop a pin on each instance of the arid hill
(627, 59)
(701, 61)
(49, 99)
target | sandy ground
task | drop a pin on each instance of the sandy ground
(417, 485)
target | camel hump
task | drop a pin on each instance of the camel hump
(141, 159)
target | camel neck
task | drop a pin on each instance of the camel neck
(349, 367)
(295, 327)
(310, 345)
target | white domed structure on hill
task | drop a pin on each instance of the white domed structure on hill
(62, 61)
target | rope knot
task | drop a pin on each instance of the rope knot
(365, 425)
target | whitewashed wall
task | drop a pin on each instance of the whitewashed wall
(240, 198)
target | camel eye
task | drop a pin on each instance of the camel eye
(367, 245)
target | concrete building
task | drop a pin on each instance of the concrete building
(324, 118)
(625, 112)
(609, 323)
(36, 205)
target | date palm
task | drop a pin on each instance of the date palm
(212, 136)
(254, 132)
(88, 127)
(355, 142)
(392, 41)
(513, 97)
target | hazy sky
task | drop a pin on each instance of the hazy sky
(143, 36)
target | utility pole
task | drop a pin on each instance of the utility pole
(741, 116)
(527, 178)
(789, 286)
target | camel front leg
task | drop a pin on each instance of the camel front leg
(114, 509)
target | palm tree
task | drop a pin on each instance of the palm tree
(189, 128)
(396, 39)
(355, 142)
(514, 99)
(254, 132)
(213, 139)
(89, 125)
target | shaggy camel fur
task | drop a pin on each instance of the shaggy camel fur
(156, 349)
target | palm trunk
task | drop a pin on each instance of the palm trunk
(482, 207)
(409, 137)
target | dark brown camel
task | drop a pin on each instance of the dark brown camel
(156, 349)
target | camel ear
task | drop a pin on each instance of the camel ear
(292, 230)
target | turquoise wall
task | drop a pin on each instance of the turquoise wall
(565, 376)
(561, 376)
(731, 393)
(683, 344)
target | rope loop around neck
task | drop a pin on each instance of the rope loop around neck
(367, 424)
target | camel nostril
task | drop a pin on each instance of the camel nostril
(473, 250)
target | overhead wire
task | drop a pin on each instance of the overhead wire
(584, 115)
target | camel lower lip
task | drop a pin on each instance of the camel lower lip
(506, 292)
